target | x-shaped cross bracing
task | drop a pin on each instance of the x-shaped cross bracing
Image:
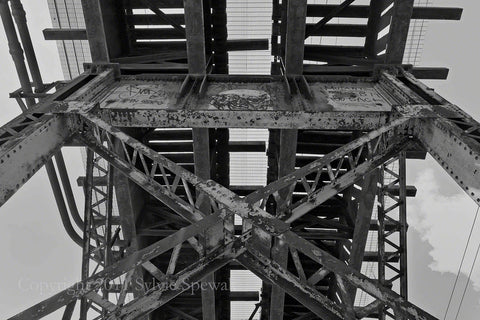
(141, 164)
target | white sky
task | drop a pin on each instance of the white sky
(35, 248)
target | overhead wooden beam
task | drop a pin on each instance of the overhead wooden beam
(402, 13)
(430, 73)
(232, 45)
(194, 27)
(319, 25)
(374, 15)
(161, 4)
(155, 57)
(338, 30)
(64, 34)
(153, 19)
(153, 6)
(295, 35)
(97, 39)
(363, 11)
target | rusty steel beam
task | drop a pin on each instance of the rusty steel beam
(360, 120)
(182, 281)
(275, 227)
(397, 303)
(326, 161)
(455, 149)
(233, 204)
(26, 144)
(362, 224)
(294, 49)
(270, 271)
(113, 271)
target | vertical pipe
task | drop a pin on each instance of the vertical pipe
(16, 50)
(67, 188)
(21, 20)
(62, 208)
(18, 58)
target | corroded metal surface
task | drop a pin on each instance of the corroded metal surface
(250, 94)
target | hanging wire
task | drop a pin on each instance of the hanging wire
(468, 280)
(461, 264)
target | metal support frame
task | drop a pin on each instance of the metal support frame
(96, 133)
(343, 167)
(392, 242)
(266, 244)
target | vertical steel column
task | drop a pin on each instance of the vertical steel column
(392, 215)
(402, 172)
(88, 187)
(381, 236)
(107, 237)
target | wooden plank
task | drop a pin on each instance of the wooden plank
(430, 73)
(194, 27)
(296, 17)
(153, 19)
(161, 15)
(64, 34)
(363, 11)
(347, 51)
(437, 13)
(329, 30)
(373, 27)
(161, 4)
(338, 30)
(232, 45)
(319, 25)
(97, 39)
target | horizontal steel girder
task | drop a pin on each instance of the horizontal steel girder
(361, 120)
(218, 101)
(26, 144)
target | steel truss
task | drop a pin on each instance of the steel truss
(78, 122)
(123, 279)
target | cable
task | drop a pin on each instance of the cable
(461, 264)
(468, 281)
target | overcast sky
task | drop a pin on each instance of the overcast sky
(36, 250)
